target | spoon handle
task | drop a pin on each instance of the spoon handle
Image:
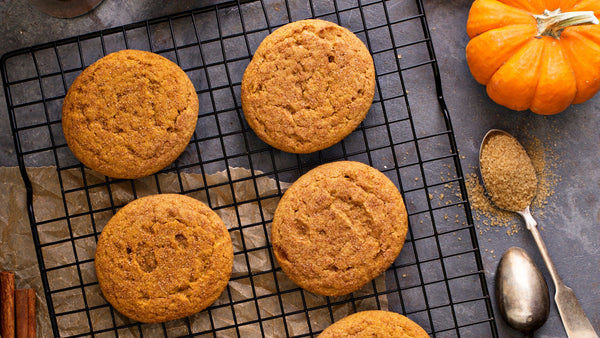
(574, 319)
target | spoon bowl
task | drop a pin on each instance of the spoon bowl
(507, 171)
(521, 291)
(65, 8)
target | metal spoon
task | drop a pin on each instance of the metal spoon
(521, 292)
(574, 319)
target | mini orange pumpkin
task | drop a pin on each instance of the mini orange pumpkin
(541, 55)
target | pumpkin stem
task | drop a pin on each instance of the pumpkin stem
(552, 23)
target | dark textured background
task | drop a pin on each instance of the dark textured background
(570, 223)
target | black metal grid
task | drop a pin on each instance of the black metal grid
(438, 279)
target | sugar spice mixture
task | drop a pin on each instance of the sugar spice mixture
(489, 217)
(507, 171)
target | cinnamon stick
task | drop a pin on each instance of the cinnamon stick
(25, 313)
(7, 304)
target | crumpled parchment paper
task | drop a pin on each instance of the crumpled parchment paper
(254, 203)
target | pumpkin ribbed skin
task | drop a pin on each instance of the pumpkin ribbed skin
(524, 70)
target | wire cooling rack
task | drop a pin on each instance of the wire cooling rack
(438, 279)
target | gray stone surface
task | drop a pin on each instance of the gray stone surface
(569, 225)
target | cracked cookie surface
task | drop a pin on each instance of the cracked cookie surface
(375, 323)
(130, 114)
(310, 83)
(337, 227)
(163, 257)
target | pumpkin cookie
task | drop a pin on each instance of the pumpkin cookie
(163, 257)
(337, 227)
(130, 114)
(309, 84)
(375, 323)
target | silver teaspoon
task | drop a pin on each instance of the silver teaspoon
(500, 150)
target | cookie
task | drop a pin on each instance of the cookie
(130, 114)
(375, 323)
(310, 83)
(163, 257)
(337, 227)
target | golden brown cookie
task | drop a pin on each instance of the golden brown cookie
(130, 114)
(309, 84)
(375, 323)
(337, 227)
(163, 257)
